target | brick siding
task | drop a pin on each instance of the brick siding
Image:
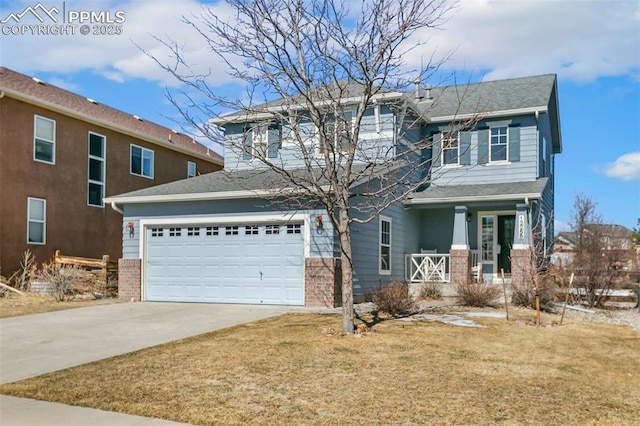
(323, 282)
(459, 266)
(129, 280)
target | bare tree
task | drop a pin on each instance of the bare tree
(318, 68)
(599, 254)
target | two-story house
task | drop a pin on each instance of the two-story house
(61, 154)
(488, 170)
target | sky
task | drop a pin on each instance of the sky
(592, 45)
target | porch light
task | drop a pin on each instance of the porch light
(469, 217)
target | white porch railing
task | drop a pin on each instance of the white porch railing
(475, 257)
(423, 267)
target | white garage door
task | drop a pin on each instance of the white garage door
(254, 263)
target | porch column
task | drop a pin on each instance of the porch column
(459, 255)
(521, 253)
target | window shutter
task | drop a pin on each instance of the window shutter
(465, 148)
(436, 149)
(514, 142)
(483, 145)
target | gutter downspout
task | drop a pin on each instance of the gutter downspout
(115, 207)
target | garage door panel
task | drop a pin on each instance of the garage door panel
(196, 265)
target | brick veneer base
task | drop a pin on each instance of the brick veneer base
(322, 282)
(459, 266)
(129, 280)
(521, 263)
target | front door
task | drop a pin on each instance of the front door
(496, 237)
(506, 228)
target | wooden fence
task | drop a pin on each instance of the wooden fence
(104, 270)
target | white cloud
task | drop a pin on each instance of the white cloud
(117, 57)
(626, 167)
(578, 40)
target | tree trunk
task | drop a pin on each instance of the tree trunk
(347, 272)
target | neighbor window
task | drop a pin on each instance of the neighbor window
(191, 169)
(96, 173)
(450, 145)
(499, 143)
(141, 161)
(44, 141)
(385, 245)
(36, 220)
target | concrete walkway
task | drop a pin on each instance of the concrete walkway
(32, 345)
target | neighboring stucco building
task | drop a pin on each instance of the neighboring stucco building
(61, 154)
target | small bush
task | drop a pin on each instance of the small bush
(393, 299)
(525, 294)
(478, 295)
(67, 280)
(430, 291)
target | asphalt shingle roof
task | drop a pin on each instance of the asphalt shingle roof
(15, 82)
(489, 96)
(452, 193)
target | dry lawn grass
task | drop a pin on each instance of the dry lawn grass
(13, 305)
(293, 370)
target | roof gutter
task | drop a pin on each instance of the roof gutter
(203, 196)
(491, 114)
(474, 198)
(265, 113)
(105, 124)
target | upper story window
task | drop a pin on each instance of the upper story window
(36, 220)
(97, 169)
(450, 148)
(499, 144)
(262, 141)
(44, 140)
(191, 169)
(141, 161)
(338, 129)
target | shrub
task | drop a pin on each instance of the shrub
(478, 295)
(524, 294)
(393, 299)
(431, 291)
(66, 280)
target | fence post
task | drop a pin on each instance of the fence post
(105, 270)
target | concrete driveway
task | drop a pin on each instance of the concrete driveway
(32, 345)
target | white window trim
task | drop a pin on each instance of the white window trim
(443, 142)
(35, 119)
(506, 158)
(142, 161)
(43, 221)
(380, 245)
(104, 168)
(353, 112)
(195, 170)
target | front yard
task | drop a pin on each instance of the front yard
(297, 369)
